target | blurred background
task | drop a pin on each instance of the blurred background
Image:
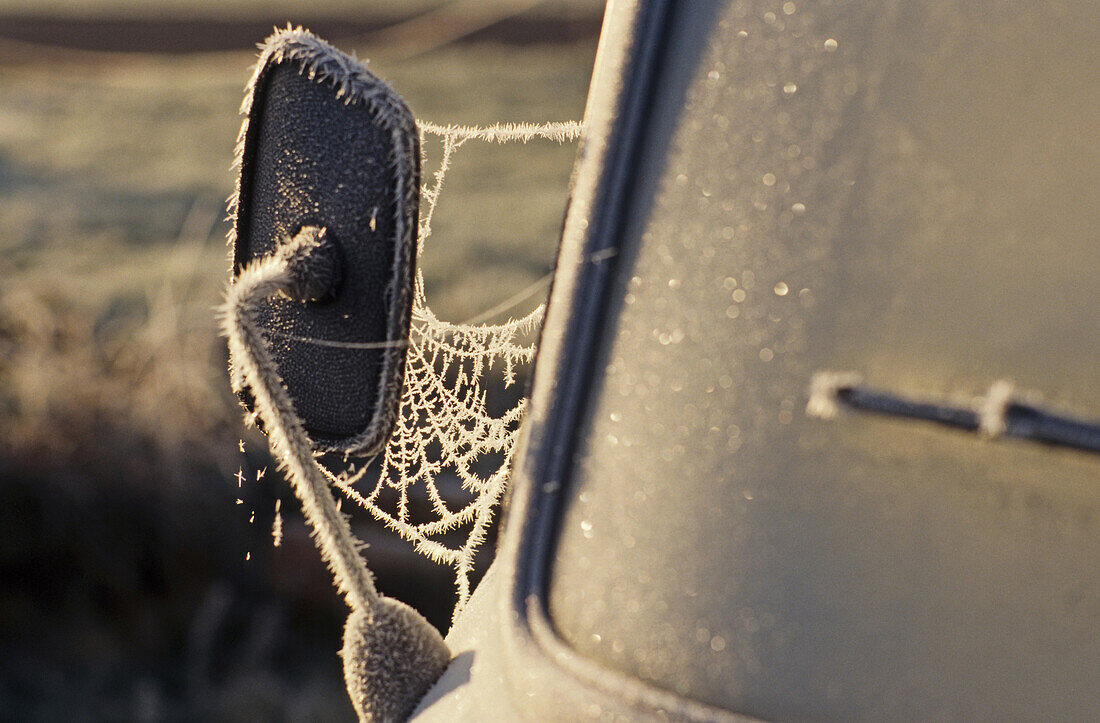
(127, 506)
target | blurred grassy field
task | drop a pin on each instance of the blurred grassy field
(121, 437)
(112, 188)
(113, 178)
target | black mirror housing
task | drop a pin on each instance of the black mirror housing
(327, 148)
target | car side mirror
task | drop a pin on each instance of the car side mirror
(329, 156)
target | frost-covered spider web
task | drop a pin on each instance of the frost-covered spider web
(445, 426)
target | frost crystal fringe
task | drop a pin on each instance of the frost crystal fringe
(504, 132)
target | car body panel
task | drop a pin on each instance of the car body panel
(891, 189)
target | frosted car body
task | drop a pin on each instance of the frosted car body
(766, 193)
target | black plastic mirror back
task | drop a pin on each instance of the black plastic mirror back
(327, 144)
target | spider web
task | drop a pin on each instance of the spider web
(445, 427)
